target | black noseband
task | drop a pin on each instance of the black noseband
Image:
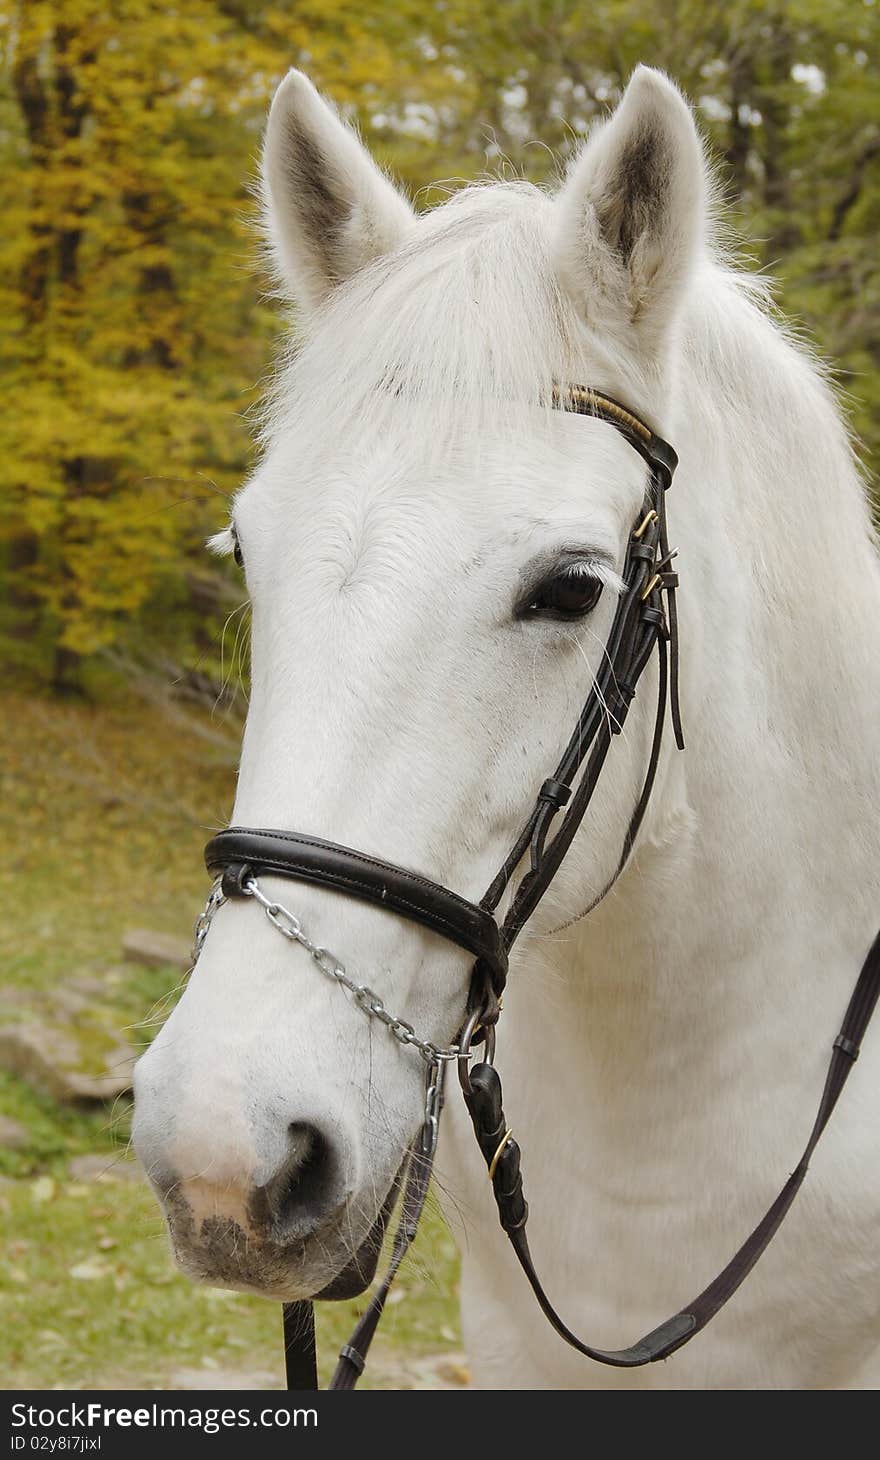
(239, 853)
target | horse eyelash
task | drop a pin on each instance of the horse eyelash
(592, 568)
(222, 544)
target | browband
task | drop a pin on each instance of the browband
(660, 456)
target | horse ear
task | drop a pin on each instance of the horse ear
(631, 214)
(328, 208)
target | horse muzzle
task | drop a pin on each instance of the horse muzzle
(286, 1240)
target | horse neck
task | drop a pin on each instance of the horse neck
(747, 909)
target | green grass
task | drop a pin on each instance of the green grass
(89, 1298)
(111, 806)
(56, 1132)
(141, 998)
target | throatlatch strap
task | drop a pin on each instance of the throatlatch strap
(503, 1157)
(300, 1357)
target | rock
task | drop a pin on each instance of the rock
(223, 1379)
(391, 1369)
(387, 1370)
(437, 1371)
(455, 1371)
(97, 986)
(44, 1189)
(14, 998)
(140, 945)
(38, 1054)
(104, 1167)
(70, 999)
(49, 1059)
(12, 1135)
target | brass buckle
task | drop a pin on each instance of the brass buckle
(497, 1157)
(645, 523)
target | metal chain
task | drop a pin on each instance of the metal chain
(366, 998)
(205, 918)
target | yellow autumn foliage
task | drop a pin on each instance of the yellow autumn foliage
(135, 336)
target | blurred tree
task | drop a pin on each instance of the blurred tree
(786, 93)
(134, 333)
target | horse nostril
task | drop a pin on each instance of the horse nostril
(303, 1174)
(304, 1189)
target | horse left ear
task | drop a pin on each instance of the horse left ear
(631, 215)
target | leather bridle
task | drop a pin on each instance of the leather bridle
(642, 624)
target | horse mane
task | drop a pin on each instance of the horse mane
(466, 317)
(469, 316)
(748, 379)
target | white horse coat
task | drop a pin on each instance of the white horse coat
(663, 1058)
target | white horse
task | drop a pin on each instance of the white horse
(663, 1056)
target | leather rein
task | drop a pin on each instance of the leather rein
(642, 625)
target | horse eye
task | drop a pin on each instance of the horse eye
(571, 594)
(237, 553)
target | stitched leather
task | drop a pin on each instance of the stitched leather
(312, 859)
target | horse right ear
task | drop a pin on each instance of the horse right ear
(631, 216)
(328, 209)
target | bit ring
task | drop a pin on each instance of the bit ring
(472, 1031)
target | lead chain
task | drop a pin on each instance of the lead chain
(291, 928)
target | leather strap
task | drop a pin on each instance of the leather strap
(584, 401)
(300, 1356)
(484, 1102)
(639, 625)
(353, 1355)
(241, 851)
